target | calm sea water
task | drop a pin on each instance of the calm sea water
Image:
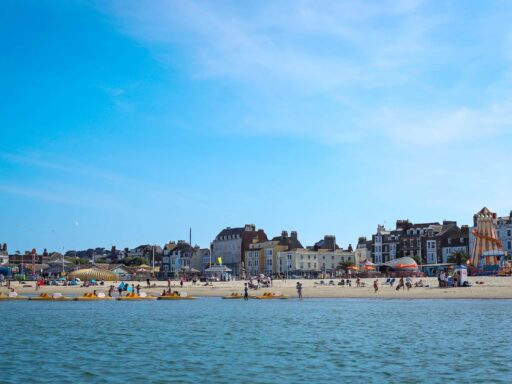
(289, 341)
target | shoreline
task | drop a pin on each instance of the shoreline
(494, 288)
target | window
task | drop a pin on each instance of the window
(509, 245)
(309, 265)
(509, 232)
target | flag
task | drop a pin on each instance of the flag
(219, 260)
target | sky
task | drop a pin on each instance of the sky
(129, 122)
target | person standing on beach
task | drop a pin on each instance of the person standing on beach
(181, 282)
(299, 289)
(246, 292)
(148, 283)
(168, 283)
(138, 288)
(376, 285)
(110, 290)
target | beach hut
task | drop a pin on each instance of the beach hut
(89, 274)
(220, 271)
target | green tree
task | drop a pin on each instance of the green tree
(344, 265)
(134, 261)
(458, 258)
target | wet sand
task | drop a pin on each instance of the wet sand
(493, 288)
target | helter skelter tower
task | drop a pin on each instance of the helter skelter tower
(487, 247)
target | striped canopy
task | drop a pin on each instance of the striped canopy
(93, 274)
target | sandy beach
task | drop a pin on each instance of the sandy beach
(493, 288)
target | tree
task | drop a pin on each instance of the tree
(458, 258)
(134, 261)
(344, 265)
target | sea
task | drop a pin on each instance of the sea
(211, 340)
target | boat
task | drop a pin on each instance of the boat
(92, 296)
(271, 295)
(12, 296)
(134, 296)
(47, 297)
(176, 296)
(236, 295)
(233, 296)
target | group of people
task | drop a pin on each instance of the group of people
(125, 287)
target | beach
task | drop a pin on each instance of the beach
(492, 288)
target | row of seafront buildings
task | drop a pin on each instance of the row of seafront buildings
(432, 244)
(242, 251)
(247, 251)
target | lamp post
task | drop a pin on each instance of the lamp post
(153, 261)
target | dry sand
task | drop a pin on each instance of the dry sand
(493, 288)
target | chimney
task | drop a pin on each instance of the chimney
(284, 234)
(294, 235)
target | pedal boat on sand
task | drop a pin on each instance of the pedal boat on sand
(176, 296)
(91, 296)
(134, 296)
(271, 295)
(12, 296)
(47, 297)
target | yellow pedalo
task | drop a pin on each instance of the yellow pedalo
(12, 296)
(134, 296)
(176, 296)
(271, 295)
(91, 296)
(47, 297)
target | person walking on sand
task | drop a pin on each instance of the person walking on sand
(148, 283)
(376, 285)
(181, 282)
(358, 282)
(246, 292)
(401, 284)
(138, 288)
(299, 290)
(169, 283)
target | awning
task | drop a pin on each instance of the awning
(218, 269)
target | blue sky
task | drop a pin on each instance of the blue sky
(128, 122)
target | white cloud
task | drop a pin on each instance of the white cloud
(371, 69)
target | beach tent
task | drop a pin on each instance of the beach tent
(402, 264)
(89, 274)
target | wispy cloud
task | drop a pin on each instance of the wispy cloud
(66, 165)
(389, 69)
